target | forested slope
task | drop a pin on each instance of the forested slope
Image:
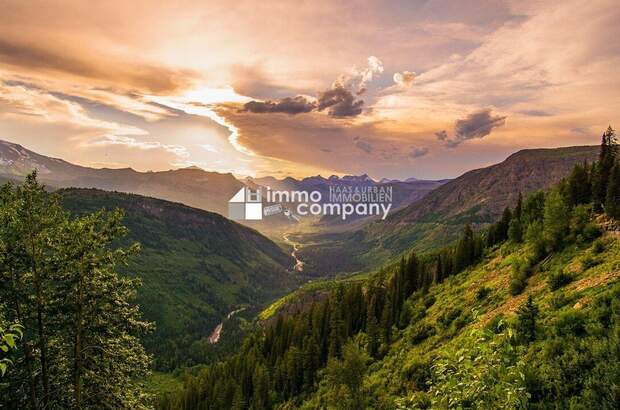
(195, 266)
(524, 314)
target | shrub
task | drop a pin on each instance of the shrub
(517, 285)
(598, 246)
(571, 322)
(418, 372)
(448, 317)
(420, 332)
(463, 320)
(482, 293)
(589, 262)
(559, 279)
(497, 324)
(429, 300)
(559, 300)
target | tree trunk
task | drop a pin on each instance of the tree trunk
(77, 376)
(40, 325)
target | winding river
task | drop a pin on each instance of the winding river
(299, 264)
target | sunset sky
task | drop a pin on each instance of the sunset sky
(390, 88)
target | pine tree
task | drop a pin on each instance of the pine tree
(527, 315)
(578, 186)
(607, 159)
(612, 199)
(465, 250)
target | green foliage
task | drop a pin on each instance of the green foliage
(9, 337)
(598, 246)
(406, 326)
(345, 378)
(612, 197)
(578, 186)
(527, 315)
(482, 293)
(59, 279)
(558, 279)
(196, 267)
(556, 220)
(485, 373)
(521, 270)
(603, 168)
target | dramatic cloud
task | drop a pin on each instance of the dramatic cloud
(340, 101)
(404, 79)
(418, 152)
(181, 76)
(476, 125)
(287, 105)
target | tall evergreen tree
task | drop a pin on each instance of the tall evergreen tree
(607, 158)
(578, 186)
(612, 199)
(527, 315)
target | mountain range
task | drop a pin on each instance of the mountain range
(476, 197)
(192, 186)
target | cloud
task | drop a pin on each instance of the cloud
(363, 145)
(34, 59)
(340, 101)
(107, 140)
(441, 135)
(366, 75)
(287, 105)
(476, 125)
(404, 79)
(418, 152)
(535, 113)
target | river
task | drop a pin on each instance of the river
(217, 332)
(299, 264)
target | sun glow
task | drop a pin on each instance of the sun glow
(203, 101)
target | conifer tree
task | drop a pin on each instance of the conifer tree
(612, 199)
(527, 315)
(607, 158)
(578, 186)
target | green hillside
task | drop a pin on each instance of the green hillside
(477, 197)
(523, 314)
(195, 267)
(462, 343)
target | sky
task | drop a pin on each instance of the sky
(394, 89)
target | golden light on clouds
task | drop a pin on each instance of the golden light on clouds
(426, 89)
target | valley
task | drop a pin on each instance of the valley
(316, 205)
(455, 263)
